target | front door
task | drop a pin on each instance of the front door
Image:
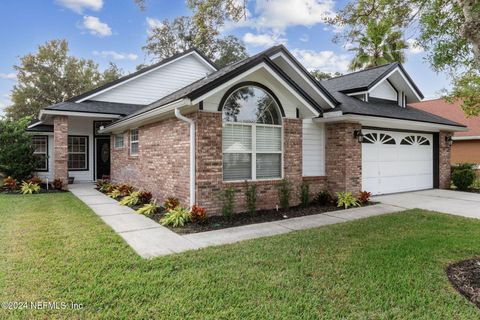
(103, 158)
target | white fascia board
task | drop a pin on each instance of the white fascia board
(282, 55)
(390, 123)
(35, 124)
(356, 93)
(147, 72)
(404, 79)
(250, 71)
(46, 112)
(466, 138)
(131, 122)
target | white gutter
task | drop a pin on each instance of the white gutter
(46, 112)
(191, 123)
(465, 138)
(133, 121)
(388, 122)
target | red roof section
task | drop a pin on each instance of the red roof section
(451, 111)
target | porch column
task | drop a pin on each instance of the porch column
(60, 149)
(444, 160)
(343, 158)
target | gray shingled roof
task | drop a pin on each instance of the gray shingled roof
(196, 88)
(386, 109)
(360, 80)
(97, 107)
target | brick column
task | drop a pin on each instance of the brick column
(60, 149)
(444, 160)
(343, 158)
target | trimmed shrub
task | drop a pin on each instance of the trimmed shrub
(463, 176)
(227, 197)
(324, 198)
(284, 191)
(251, 198)
(305, 194)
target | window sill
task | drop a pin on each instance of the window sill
(254, 182)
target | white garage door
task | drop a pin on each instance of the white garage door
(396, 161)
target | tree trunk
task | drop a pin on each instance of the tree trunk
(471, 28)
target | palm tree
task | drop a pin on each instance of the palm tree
(379, 45)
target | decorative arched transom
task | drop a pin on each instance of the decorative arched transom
(415, 140)
(381, 138)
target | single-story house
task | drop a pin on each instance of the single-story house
(185, 128)
(465, 144)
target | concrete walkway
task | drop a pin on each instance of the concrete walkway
(149, 239)
(458, 203)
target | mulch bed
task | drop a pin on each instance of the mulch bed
(465, 278)
(242, 219)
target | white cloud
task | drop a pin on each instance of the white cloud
(96, 27)
(326, 61)
(116, 55)
(281, 14)
(79, 5)
(8, 76)
(414, 47)
(262, 40)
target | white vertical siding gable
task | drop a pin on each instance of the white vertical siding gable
(313, 149)
(157, 84)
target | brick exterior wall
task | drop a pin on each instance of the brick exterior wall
(162, 164)
(209, 167)
(60, 149)
(343, 158)
(444, 160)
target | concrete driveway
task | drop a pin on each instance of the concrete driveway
(458, 203)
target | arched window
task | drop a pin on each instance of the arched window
(252, 134)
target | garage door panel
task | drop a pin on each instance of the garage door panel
(389, 168)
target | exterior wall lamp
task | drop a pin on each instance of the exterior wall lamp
(357, 134)
(448, 140)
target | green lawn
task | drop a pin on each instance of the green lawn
(53, 248)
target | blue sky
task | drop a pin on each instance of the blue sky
(116, 30)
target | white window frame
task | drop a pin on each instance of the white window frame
(131, 142)
(253, 152)
(86, 153)
(116, 139)
(35, 152)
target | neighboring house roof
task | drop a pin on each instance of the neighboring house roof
(365, 79)
(96, 107)
(198, 88)
(451, 111)
(141, 71)
(386, 109)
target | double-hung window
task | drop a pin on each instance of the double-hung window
(77, 153)
(119, 141)
(40, 147)
(251, 135)
(134, 142)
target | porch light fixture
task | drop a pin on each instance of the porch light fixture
(357, 134)
(448, 141)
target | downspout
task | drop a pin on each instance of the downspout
(191, 123)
